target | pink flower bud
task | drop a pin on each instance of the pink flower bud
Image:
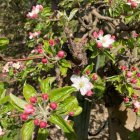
(134, 4)
(51, 42)
(133, 81)
(101, 32)
(33, 99)
(138, 75)
(99, 45)
(129, 74)
(43, 124)
(36, 122)
(71, 113)
(39, 50)
(53, 106)
(135, 110)
(123, 68)
(94, 77)
(87, 72)
(29, 109)
(23, 117)
(61, 54)
(136, 104)
(135, 97)
(89, 93)
(126, 100)
(44, 96)
(95, 34)
(134, 68)
(44, 60)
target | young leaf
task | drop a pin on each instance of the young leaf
(72, 14)
(28, 91)
(67, 128)
(60, 94)
(45, 85)
(70, 104)
(17, 101)
(27, 130)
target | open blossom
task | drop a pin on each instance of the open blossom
(105, 41)
(34, 35)
(133, 3)
(35, 10)
(136, 104)
(1, 131)
(6, 67)
(16, 65)
(82, 84)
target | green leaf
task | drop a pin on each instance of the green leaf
(42, 134)
(4, 41)
(1, 88)
(60, 94)
(65, 63)
(45, 85)
(109, 56)
(17, 101)
(28, 91)
(67, 128)
(70, 104)
(63, 70)
(27, 130)
(72, 14)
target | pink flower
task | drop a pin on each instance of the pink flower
(35, 11)
(1, 132)
(129, 74)
(29, 109)
(126, 99)
(34, 35)
(136, 104)
(104, 41)
(89, 93)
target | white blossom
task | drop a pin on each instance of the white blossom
(82, 84)
(1, 132)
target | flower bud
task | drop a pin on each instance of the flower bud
(133, 81)
(126, 100)
(39, 50)
(53, 106)
(71, 113)
(36, 122)
(89, 93)
(23, 117)
(99, 45)
(43, 124)
(44, 96)
(134, 68)
(94, 77)
(29, 109)
(123, 68)
(61, 54)
(51, 42)
(129, 74)
(138, 75)
(33, 100)
(44, 60)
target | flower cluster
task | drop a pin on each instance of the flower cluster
(34, 35)
(133, 3)
(15, 65)
(133, 101)
(132, 75)
(40, 50)
(35, 11)
(105, 41)
(39, 111)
